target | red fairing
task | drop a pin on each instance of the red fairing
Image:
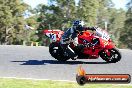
(53, 31)
(88, 50)
(106, 44)
(93, 51)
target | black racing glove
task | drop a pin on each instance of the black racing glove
(90, 28)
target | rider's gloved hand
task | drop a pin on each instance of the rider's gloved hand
(92, 28)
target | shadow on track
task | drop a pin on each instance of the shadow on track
(45, 62)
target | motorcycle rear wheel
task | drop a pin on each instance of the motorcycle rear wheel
(57, 52)
(114, 57)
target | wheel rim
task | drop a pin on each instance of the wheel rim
(114, 56)
(55, 51)
(106, 57)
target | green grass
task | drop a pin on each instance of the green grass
(22, 83)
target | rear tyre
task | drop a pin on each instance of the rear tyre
(114, 56)
(57, 52)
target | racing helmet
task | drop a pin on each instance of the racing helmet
(78, 25)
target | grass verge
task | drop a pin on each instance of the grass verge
(23, 83)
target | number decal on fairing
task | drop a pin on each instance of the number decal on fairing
(53, 37)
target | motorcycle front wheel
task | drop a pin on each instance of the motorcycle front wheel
(57, 52)
(114, 56)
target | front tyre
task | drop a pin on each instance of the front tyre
(57, 52)
(114, 56)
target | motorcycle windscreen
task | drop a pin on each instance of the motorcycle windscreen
(102, 33)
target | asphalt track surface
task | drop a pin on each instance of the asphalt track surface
(36, 62)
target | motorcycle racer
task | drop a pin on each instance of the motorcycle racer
(71, 35)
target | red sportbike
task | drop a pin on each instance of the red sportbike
(93, 47)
